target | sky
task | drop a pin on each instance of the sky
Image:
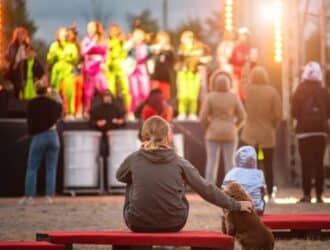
(50, 14)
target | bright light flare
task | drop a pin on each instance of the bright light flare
(277, 19)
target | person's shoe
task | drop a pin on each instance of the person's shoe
(130, 116)
(319, 199)
(49, 200)
(305, 199)
(181, 117)
(26, 200)
(193, 117)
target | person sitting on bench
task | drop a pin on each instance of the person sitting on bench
(156, 179)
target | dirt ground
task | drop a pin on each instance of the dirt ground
(105, 213)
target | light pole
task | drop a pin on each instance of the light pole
(165, 14)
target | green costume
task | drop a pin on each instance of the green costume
(63, 57)
(116, 75)
(188, 80)
(29, 90)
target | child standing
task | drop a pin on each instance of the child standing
(139, 84)
(247, 174)
(156, 178)
(163, 55)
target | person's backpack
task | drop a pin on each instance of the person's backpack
(313, 114)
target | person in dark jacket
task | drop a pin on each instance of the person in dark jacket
(15, 54)
(43, 112)
(106, 116)
(163, 54)
(311, 109)
(31, 71)
(156, 179)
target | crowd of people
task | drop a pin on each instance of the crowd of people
(133, 74)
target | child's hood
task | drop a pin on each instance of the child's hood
(165, 155)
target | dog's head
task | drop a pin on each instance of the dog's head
(237, 191)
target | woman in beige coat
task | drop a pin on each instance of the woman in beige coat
(263, 107)
(221, 116)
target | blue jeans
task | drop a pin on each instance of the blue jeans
(43, 144)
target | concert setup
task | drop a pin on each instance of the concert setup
(128, 113)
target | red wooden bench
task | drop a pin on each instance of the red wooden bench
(298, 225)
(29, 245)
(195, 239)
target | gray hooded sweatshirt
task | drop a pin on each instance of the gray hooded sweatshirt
(155, 193)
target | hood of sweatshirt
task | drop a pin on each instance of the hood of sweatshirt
(165, 155)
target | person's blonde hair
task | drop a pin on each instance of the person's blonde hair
(155, 133)
(259, 75)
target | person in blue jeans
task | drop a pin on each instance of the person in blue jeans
(43, 112)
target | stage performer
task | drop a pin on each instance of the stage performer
(78, 78)
(238, 59)
(139, 78)
(188, 77)
(116, 75)
(15, 54)
(94, 50)
(63, 57)
(164, 57)
(31, 71)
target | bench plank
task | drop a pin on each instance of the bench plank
(199, 239)
(297, 221)
(29, 245)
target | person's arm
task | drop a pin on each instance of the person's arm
(52, 53)
(240, 114)
(204, 113)
(123, 173)
(208, 191)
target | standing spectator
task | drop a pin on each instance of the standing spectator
(15, 54)
(221, 121)
(164, 64)
(263, 106)
(105, 117)
(311, 109)
(157, 105)
(42, 115)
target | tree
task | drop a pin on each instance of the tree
(193, 24)
(17, 15)
(96, 11)
(144, 21)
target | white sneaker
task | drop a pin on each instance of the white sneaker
(130, 117)
(193, 117)
(181, 117)
(26, 200)
(49, 200)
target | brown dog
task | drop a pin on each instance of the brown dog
(247, 228)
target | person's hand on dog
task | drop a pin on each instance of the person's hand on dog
(246, 206)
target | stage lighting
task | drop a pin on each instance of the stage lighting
(278, 32)
(229, 15)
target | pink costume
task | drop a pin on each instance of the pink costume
(139, 79)
(94, 75)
